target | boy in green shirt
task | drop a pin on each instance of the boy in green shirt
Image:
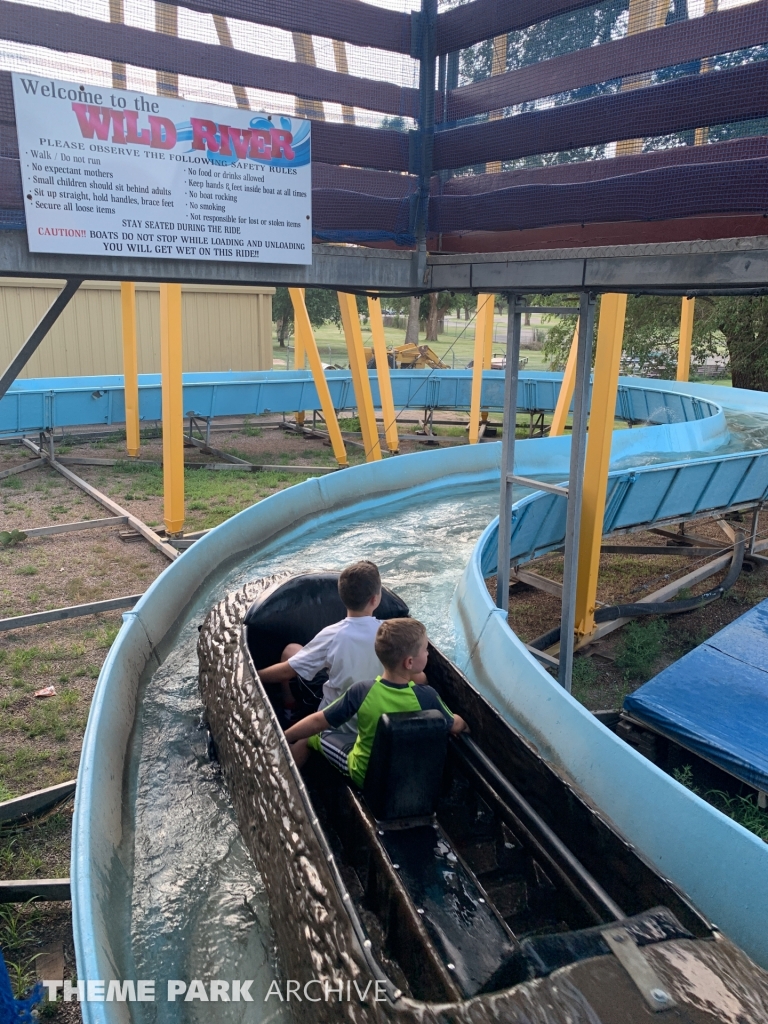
(401, 647)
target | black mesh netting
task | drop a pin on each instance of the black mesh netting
(546, 112)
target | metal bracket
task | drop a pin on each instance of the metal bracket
(633, 960)
(539, 485)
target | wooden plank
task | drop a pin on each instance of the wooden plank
(672, 549)
(543, 657)
(37, 801)
(108, 503)
(532, 579)
(685, 539)
(246, 467)
(664, 594)
(208, 449)
(23, 890)
(71, 612)
(32, 464)
(86, 524)
(727, 529)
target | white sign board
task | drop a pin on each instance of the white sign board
(110, 172)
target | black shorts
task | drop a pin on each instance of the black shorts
(335, 747)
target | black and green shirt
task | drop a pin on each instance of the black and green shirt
(369, 701)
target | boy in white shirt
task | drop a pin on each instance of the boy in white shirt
(345, 649)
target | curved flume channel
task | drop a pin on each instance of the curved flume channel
(162, 885)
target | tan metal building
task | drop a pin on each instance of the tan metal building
(223, 328)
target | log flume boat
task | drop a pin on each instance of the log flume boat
(469, 882)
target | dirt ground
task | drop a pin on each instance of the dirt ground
(609, 669)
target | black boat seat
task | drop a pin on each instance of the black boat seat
(296, 609)
(405, 771)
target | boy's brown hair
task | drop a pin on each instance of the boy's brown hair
(398, 639)
(358, 583)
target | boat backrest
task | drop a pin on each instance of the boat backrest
(296, 609)
(405, 771)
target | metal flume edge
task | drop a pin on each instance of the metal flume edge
(98, 823)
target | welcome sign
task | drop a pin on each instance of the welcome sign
(110, 172)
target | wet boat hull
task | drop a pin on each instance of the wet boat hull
(318, 929)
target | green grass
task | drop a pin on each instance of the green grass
(21, 659)
(210, 496)
(583, 678)
(642, 643)
(742, 809)
(249, 430)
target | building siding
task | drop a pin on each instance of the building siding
(223, 328)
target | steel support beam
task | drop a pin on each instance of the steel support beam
(130, 368)
(565, 396)
(173, 407)
(425, 25)
(382, 372)
(30, 346)
(511, 380)
(714, 267)
(303, 326)
(687, 310)
(576, 488)
(603, 413)
(350, 320)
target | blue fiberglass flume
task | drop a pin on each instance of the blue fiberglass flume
(127, 885)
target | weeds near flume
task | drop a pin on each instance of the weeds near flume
(642, 645)
(16, 929)
(742, 809)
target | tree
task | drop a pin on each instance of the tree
(322, 307)
(565, 33)
(412, 330)
(743, 321)
(651, 333)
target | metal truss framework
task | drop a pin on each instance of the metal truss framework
(722, 266)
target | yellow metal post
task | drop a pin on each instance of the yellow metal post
(298, 360)
(565, 397)
(382, 372)
(304, 328)
(484, 313)
(488, 339)
(488, 343)
(173, 406)
(350, 321)
(603, 413)
(686, 335)
(130, 368)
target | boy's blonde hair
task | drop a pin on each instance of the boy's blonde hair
(398, 639)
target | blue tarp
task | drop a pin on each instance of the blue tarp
(714, 701)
